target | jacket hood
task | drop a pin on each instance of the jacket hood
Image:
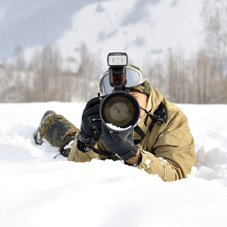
(154, 99)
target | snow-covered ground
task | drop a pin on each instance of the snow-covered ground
(39, 189)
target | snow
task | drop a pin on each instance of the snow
(40, 188)
(146, 27)
(116, 128)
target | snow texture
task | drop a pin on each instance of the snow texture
(148, 27)
(38, 188)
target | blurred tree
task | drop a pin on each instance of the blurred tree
(87, 75)
(18, 58)
(49, 83)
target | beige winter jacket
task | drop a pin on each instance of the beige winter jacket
(168, 149)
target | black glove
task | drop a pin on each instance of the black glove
(90, 130)
(120, 143)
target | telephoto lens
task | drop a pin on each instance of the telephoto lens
(119, 111)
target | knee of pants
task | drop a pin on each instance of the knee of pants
(55, 128)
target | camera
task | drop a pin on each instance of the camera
(119, 111)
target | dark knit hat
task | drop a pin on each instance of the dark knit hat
(143, 88)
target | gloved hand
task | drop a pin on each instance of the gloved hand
(120, 143)
(90, 130)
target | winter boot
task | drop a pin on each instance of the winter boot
(36, 135)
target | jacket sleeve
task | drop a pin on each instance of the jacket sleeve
(172, 155)
(79, 156)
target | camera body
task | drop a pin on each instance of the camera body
(119, 111)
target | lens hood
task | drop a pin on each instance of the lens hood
(119, 111)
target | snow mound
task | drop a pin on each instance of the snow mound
(38, 187)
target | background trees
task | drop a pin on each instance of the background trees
(198, 78)
(201, 77)
(45, 78)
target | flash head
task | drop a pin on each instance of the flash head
(117, 59)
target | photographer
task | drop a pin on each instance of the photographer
(160, 142)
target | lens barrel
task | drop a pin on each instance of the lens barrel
(119, 111)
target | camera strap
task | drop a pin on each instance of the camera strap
(159, 116)
(139, 131)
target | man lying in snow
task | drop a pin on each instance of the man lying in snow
(161, 142)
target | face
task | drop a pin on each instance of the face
(141, 99)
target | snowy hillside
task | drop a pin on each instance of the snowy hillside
(38, 188)
(32, 23)
(139, 27)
